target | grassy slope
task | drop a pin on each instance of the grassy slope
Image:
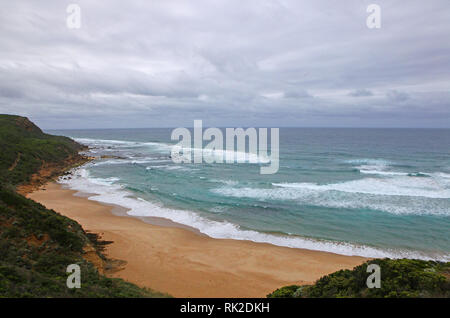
(37, 244)
(399, 278)
(25, 148)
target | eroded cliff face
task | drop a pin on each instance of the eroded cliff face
(50, 171)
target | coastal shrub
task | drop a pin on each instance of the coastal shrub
(31, 266)
(400, 278)
(284, 292)
(36, 219)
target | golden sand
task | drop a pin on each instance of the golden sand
(183, 263)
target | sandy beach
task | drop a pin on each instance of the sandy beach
(177, 260)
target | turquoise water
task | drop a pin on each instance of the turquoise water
(369, 192)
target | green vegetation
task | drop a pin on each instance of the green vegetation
(400, 278)
(25, 148)
(37, 244)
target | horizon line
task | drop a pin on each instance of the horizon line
(222, 127)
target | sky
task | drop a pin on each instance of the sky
(252, 63)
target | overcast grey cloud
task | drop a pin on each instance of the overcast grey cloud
(361, 92)
(231, 63)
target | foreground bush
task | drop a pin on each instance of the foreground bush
(37, 245)
(399, 278)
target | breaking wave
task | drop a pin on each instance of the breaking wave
(111, 192)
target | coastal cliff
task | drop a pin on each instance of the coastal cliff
(37, 244)
(29, 157)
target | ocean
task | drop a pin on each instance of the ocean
(367, 192)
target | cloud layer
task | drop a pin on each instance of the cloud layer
(230, 63)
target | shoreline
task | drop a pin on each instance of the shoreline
(180, 260)
(119, 210)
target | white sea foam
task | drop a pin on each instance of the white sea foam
(370, 161)
(238, 156)
(379, 170)
(105, 143)
(220, 155)
(169, 167)
(109, 191)
(383, 168)
(212, 154)
(399, 186)
(336, 199)
(442, 177)
(401, 194)
(135, 161)
(375, 166)
(227, 182)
